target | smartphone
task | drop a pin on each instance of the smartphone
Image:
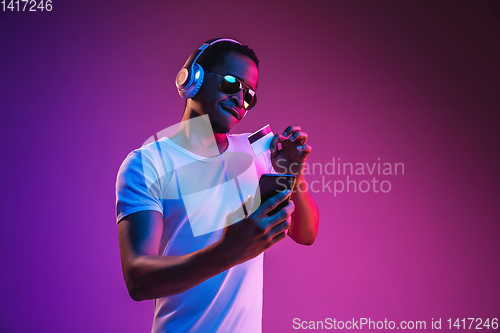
(272, 184)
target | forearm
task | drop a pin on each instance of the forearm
(305, 219)
(155, 276)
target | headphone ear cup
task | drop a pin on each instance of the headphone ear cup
(199, 75)
(182, 80)
(188, 84)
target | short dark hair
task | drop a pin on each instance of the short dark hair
(215, 55)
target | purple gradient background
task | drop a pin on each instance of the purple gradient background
(406, 81)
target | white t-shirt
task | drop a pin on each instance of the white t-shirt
(195, 194)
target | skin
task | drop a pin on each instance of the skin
(148, 274)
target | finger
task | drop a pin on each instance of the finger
(278, 238)
(289, 220)
(274, 143)
(279, 228)
(272, 203)
(283, 222)
(304, 149)
(299, 136)
(282, 215)
(290, 129)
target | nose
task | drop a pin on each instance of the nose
(237, 99)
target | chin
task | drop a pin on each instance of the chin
(220, 128)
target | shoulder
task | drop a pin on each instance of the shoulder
(139, 157)
(150, 161)
(157, 154)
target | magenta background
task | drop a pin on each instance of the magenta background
(406, 81)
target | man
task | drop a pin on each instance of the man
(186, 239)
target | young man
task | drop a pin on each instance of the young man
(186, 239)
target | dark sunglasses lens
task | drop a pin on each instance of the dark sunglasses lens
(230, 85)
(250, 99)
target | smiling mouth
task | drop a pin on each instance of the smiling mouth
(233, 111)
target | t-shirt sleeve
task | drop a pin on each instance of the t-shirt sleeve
(136, 188)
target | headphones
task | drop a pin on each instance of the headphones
(190, 77)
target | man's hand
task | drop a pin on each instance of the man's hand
(252, 235)
(290, 159)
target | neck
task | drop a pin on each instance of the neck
(195, 134)
(221, 141)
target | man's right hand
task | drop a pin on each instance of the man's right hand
(246, 239)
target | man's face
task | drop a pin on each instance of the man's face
(226, 111)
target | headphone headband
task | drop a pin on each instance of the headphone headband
(190, 77)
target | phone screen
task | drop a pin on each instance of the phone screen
(272, 184)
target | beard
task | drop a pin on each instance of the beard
(219, 128)
(216, 119)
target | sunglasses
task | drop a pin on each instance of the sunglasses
(231, 86)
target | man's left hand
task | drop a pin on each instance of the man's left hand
(291, 158)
